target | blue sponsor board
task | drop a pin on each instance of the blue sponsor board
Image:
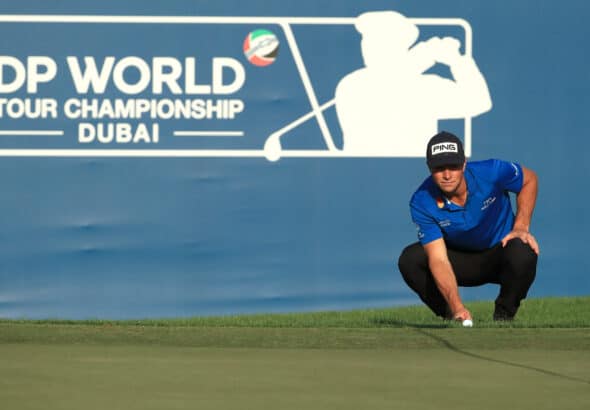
(207, 158)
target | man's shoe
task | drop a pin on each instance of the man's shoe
(501, 314)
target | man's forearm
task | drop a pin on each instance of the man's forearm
(525, 201)
(446, 282)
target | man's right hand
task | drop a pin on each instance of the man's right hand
(462, 314)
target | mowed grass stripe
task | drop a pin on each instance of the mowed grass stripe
(164, 377)
(312, 338)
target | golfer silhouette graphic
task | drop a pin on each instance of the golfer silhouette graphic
(391, 107)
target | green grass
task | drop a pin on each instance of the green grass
(77, 377)
(573, 312)
(371, 359)
(548, 322)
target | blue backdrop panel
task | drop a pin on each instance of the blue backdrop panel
(205, 225)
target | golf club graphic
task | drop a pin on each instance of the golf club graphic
(363, 135)
(272, 146)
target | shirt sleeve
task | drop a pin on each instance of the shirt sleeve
(508, 175)
(428, 229)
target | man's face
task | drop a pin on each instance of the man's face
(448, 178)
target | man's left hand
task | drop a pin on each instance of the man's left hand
(524, 236)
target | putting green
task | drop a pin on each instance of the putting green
(129, 377)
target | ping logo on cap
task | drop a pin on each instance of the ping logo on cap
(444, 147)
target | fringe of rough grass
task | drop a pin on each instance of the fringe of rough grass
(569, 312)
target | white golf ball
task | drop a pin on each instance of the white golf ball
(467, 323)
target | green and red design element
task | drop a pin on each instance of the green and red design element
(261, 47)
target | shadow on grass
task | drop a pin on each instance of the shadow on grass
(421, 329)
(388, 322)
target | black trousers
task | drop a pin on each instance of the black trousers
(512, 267)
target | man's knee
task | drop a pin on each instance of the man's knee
(520, 258)
(516, 249)
(411, 259)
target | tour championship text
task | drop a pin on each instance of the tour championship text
(163, 88)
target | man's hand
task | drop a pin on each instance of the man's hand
(524, 236)
(462, 314)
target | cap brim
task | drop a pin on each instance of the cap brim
(441, 160)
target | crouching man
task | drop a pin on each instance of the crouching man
(468, 234)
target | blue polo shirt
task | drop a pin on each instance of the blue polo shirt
(487, 215)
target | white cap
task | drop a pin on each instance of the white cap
(391, 24)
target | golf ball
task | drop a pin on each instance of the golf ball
(467, 323)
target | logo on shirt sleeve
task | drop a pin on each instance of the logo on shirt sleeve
(419, 232)
(515, 169)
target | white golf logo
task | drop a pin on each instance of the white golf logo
(391, 107)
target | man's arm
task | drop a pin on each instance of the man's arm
(525, 204)
(442, 271)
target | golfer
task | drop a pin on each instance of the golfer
(468, 234)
